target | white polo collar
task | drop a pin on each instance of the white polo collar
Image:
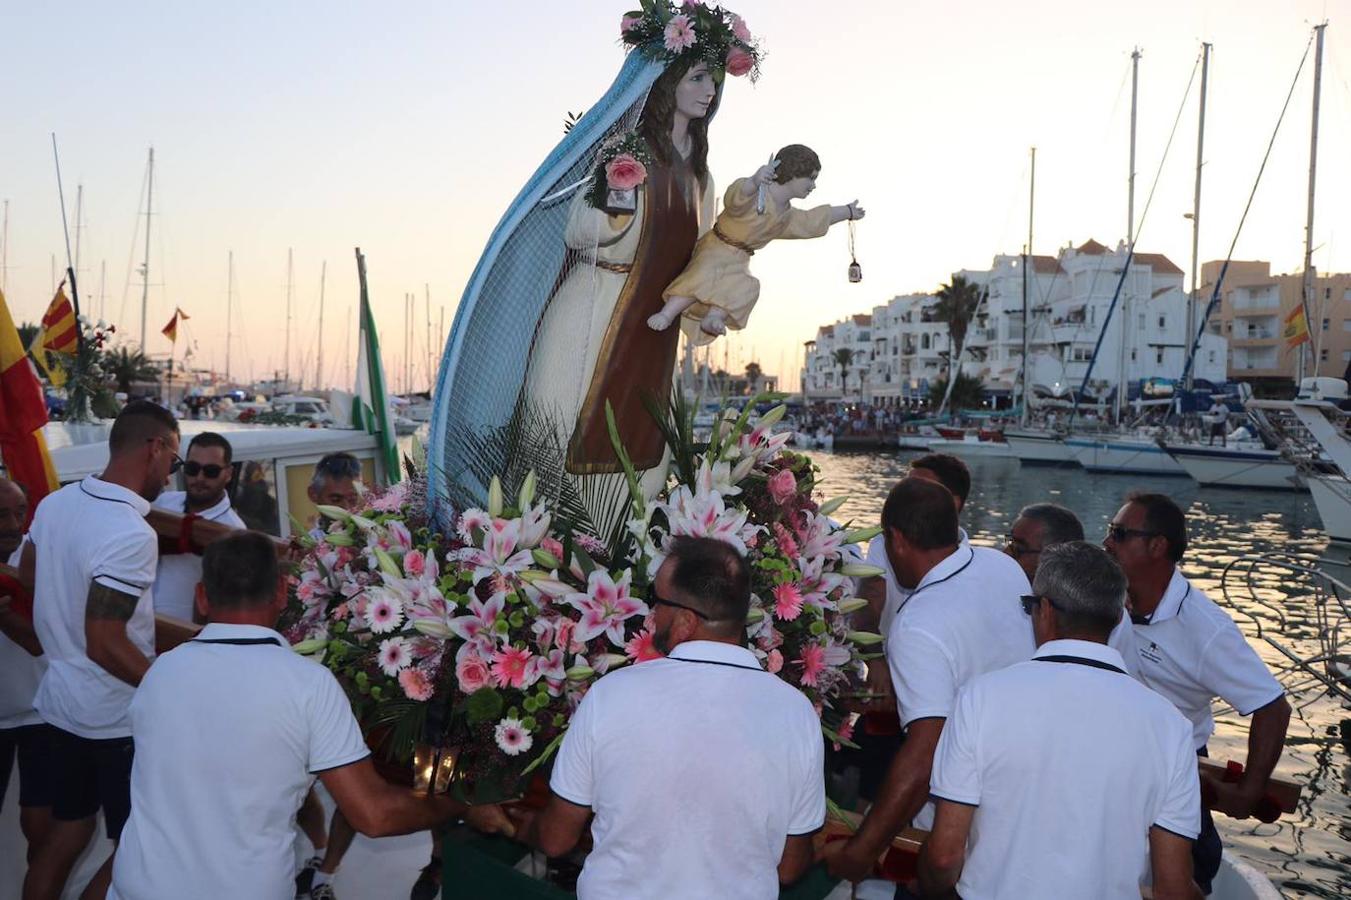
(99, 489)
(716, 653)
(1174, 596)
(232, 634)
(213, 512)
(1069, 650)
(963, 539)
(947, 567)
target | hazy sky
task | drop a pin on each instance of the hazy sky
(406, 128)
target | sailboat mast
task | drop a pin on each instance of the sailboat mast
(1193, 298)
(319, 363)
(229, 304)
(1031, 203)
(1123, 372)
(145, 263)
(1307, 297)
(103, 281)
(79, 222)
(427, 289)
(286, 360)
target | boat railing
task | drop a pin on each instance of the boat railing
(1260, 588)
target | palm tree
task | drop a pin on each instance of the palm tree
(753, 376)
(956, 306)
(127, 366)
(844, 357)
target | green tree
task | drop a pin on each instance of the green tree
(126, 366)
(844, 357)
(957, 304)
(967, 393)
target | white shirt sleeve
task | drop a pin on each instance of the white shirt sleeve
(573, 777)
(921, 674)
(877, 553)
(809, 788)
(126, 562)
(1180, 803)
(1235, 673)
(1122, 640)
(335, 737)
(956, 767)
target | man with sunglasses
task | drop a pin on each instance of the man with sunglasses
(92, 557)
(1062, 776)
(702, 770)
(1190, 651)
(207, 474)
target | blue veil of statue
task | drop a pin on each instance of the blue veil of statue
(488, 348)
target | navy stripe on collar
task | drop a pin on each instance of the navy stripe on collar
(1079, 661)
(89, 493)
(237, 641)
(716, 662)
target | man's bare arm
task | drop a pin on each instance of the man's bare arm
(106, 614)
(377, 808)
(944, 852)
(1170, 861)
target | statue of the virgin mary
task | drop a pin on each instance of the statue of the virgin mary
(552, 325)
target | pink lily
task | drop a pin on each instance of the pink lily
(605, 606)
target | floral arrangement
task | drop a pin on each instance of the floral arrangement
(621, 165)
(484, 640)
(694, 30)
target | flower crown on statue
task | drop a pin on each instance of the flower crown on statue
(663, 31)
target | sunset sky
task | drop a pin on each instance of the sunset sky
(406, 128)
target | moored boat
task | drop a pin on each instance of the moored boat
(1122, 454)
(1247, 466)
(1039, 448)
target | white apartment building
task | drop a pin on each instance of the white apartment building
(898, 350)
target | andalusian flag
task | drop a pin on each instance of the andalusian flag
(370, 407)
(1296, 329)
(23, 412)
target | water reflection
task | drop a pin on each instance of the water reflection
(1307, 854)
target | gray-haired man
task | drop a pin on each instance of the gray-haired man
(1062, 776)
(1037, 527)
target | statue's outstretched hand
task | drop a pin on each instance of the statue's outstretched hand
(855, 211)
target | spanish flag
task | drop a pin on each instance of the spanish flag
(171, 330)
(1296, 330)
(59, 334)
(23, 412)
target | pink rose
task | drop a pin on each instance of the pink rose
(739, 62)
(628, 23)
(472, 673)
(415, 684)
(414, 563)
(775, 662)
(624, 173)
(783, 486)
(740, 29)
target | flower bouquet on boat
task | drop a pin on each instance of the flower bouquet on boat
(465, 653)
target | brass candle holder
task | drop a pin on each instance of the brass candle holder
(433, 769)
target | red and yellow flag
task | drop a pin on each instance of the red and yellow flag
(171, 330)
(1296, 330)
(23, 412)
(60, 333)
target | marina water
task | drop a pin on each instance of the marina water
(1306, 854)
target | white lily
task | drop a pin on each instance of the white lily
(851, 605)
(495, 497)
(865, 638)
(859, 535)
(860, 570)
(527, 493)
(336, 513)
(831, 505)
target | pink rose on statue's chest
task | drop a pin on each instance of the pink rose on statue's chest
(624, 172)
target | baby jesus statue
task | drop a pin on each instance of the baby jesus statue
(717, 290)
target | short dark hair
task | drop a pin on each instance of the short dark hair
(212, 439)
(1058, 524)
(138, 422)
(240, 570)
(951, 471)
(335, 465)
(712, 576)
(1165, 518)
(796, 161)
(1087, 585)
(923, 512)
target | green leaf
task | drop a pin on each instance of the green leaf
(484, 705)
(547, 752)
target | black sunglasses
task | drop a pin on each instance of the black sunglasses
(178, 460)
(1120, 533)
(1029, 601)
(1019, 548)
(659, 601)
(210, 470)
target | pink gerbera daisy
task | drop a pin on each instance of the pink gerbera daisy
(643, 646)
(416, 685)
(512, 668)
(679, 34)
(512, 738)
(394, 656)
(384, 614)
(787, 601)
(813, 663)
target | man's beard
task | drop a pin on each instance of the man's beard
(205, 499)
(661, 640)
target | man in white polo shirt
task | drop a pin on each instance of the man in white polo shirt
(1190, 650)
(703, 770)
(23, 736)
(230, 729)
(962, 619)
(207, 473)
(94, 558)
(1063, 776)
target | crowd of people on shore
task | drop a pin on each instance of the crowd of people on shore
(1037, 711)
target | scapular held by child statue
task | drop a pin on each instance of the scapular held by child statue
(717, 291)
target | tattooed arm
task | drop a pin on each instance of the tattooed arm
(106, 614)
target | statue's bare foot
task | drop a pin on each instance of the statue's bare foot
(660, 321)
(714, 323)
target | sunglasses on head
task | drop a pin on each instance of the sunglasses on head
(210, 470)
(1120, 533)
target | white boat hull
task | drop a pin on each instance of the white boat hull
(1119, 455)
(1039, 449)
(1332, 496)
(971, 448)
(1219, 467)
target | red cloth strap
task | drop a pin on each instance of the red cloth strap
(185, 544)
